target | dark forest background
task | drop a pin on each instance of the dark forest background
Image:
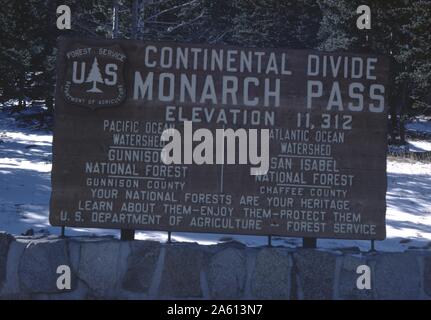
(401, 29)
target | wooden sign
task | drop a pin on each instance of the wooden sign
(325, 115)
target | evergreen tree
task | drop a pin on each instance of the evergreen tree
(27, 46)
(400, 29)
(269, 23)
(95, 77)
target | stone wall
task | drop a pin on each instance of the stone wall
(109, 268)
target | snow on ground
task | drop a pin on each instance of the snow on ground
(25, 165)
(422, 125)
(419, 146)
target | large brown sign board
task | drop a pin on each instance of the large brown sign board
(326, 114)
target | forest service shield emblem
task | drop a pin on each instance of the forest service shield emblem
(94, 76)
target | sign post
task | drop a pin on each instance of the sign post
(320, 173)
(309, 243)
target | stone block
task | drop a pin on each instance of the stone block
(271, 275)
(37, 271)
(316, 271)
(347, 288)
(5, 240)
(227, 274)
(141, 265)
(181, 272)
(397, 276)
(98, 265)
(427, 276)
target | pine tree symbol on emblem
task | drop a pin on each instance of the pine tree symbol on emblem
(94, 76)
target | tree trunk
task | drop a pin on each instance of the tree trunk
(115, 16)
(403, 111)
(402, 132)
(393, 124)
(137, 11)
(49, 102)
(135, 17)
(21, 104)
